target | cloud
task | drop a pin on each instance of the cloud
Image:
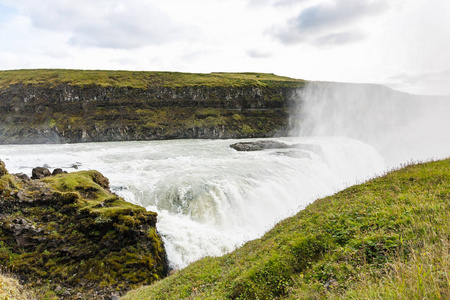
(103, 24)
(258, 54)
(323, 23)
(8, 60)
(125, 61)
(276, 3)
(340, 38)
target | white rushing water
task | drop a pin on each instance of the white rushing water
(210, 198)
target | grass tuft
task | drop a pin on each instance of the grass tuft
(141, 79)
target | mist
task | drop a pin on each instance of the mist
(400, 126)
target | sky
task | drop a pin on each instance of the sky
(404, 44)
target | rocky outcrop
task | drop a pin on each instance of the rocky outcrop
(67, 113)
(259, 145)
(39, 173)
(3, 170)
(68, 236)
(263, 145)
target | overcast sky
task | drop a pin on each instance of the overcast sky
(404, 44)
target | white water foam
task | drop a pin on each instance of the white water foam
(210, 198)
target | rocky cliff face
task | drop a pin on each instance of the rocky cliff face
(65, 113)
(68, 236)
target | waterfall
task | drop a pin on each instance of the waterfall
(210, 198)
(402, 127)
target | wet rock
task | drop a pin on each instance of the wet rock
(39, 173)
(58, 171)
(23, 176)
(259, 145)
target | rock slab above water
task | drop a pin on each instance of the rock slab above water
(259, 145)
(265, 144)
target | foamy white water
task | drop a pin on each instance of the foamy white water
(209, 197)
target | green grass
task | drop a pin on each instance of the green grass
(388, 238)
(94, 199)
(141, 79)
(11, 289)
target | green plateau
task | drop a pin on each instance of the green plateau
(141, 79)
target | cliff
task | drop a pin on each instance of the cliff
(68, 106)
(67, 236)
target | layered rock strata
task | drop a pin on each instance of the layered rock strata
(65, 113)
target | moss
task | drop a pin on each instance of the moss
(141, 79)
(8, 185)
(3, 170)
(78, 235)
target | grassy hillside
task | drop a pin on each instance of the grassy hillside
(141, 79)
(386, 239)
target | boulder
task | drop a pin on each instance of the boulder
(259, 145)
(39, 173)
(58, 171)
(22, 176)
(263, 145)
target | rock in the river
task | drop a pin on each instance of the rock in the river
(39, 173)
(262, 145)
(259, 145)
(58, 171)
(68, 235)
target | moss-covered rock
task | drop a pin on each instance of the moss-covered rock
(68, 236)
(3, 170)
